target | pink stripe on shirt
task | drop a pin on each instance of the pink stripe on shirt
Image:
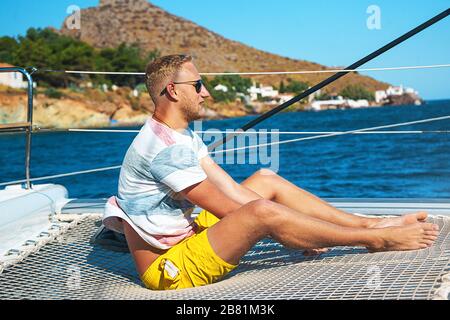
(173, 240)
(162, 132)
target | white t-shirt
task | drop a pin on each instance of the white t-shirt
(159, 164)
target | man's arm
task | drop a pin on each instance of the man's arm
(219, 193)
(208, 196)
(227, 184)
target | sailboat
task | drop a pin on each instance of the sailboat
(47, 249)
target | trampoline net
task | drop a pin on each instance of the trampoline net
(70, 267)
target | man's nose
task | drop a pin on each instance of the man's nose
(204, 93)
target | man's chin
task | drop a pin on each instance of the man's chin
(195, 116)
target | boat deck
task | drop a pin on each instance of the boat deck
(69, 266)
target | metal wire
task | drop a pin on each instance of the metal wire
(63, 175)
(274, 132)
(330, 135)
(251, 147)
(260, 73)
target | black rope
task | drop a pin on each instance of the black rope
(334, 77)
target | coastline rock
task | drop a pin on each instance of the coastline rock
(94, 109)
(62, 114)
(129, 117)
(405, 99)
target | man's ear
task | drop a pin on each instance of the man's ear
(170, 91)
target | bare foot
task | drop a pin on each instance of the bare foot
(399, 221)
(410, 237)
(314, 252)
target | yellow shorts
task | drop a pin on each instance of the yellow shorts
(191, 263)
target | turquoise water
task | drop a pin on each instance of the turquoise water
(377, 166)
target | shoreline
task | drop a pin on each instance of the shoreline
(94, 109)
(128, 125)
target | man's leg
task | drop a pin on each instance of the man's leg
(271, 186)
(235, 234)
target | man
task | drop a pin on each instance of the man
(167, 171)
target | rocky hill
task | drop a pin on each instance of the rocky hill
(115, 22)
(139, 22)
(88, 109)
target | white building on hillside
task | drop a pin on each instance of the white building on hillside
(264, 92)
(285, 98)
(324, 104)
(12, 79)
(382, 95)
(339, 103)
(221, 87)
(361, 103)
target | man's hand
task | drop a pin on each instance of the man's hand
(315, 252)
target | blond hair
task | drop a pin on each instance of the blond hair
(162, 70)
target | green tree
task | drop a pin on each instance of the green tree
(282, 88)
(323, 96)
(295, 86)
(235, 85)
(53, 93)
(45, 49)
(217, 95)
(32, 53)
(221, 96)
(122, 59)
(8, 46)
(356, 92)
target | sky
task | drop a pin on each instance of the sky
(333, 33)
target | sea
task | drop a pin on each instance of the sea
(406, 165)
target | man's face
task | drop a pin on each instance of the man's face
(190, 101)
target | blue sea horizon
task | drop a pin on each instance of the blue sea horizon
(356, 166)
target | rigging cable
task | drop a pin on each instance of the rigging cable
(335, 77)
(244, 148)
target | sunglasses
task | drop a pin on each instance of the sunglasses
(198, 84)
